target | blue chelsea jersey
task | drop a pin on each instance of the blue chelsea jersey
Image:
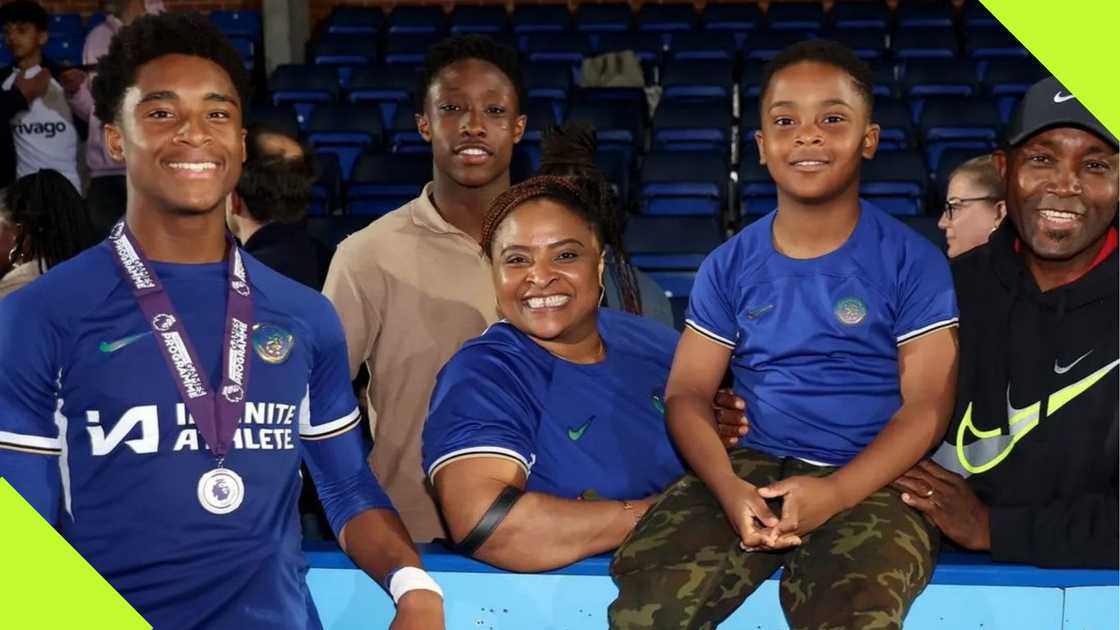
(82, 380)
(573, 428)
(815, 342)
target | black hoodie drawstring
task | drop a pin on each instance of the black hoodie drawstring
(1050, 379)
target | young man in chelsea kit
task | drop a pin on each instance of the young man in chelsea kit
(158, 391)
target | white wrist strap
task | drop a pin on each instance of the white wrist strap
(408, 579)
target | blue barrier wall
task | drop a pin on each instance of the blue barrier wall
(967, 592)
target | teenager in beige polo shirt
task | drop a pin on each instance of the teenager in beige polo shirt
(413, 286)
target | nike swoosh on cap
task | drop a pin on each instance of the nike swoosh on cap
(993, 446)
(1061, 98)
(1058, 369)
(113, 346)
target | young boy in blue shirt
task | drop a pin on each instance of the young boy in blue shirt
(838, 324)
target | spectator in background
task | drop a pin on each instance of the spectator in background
(974, 205)
(39, 130)
(414, 285)
(266, 211)
(107, 188)
(43, 222)
(569, 151)
(1028, 470)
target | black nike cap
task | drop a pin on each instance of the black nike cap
(1047, 105)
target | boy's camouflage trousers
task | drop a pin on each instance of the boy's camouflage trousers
(682, 567)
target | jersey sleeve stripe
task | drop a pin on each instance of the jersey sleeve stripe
(925, 330)
(332, 428)
(36, 444)
(478, 451)
(709, 334)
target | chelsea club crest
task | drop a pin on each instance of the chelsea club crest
(850, 311)
(272, 343)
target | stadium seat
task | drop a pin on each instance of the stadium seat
(488, 19)
(924, 43)
(683, 183)
(927, 227)
(757, 192)
(977, 16)
(246, 49)
(385, 87)
(382, 183)
(735, 17)
(670, 243)
(869, 44)
(347, 131)
(896, 181)
(569, 48)
(882, 73)
(994, 43)
(549, 82)
(346, 52)
(795, 16)
(750, 85)
(924, 15)
(698, 80)
(66, 50)
(1009, 79)
(539, 116)
(541, 18)
(765, 45)
(410, 18)
(612, 17)
(328, 184)
(350, 20)
(703, 46)
(682, 126)
(861, 15)
(243, 23)
(666, 18)
(958, 123)
(68, 25)
(895, 124)
(750, 119)
(616, 127)
(283, 118)
(678, 288)
(303, 87)
(409, 47)
(939, 77)
(402, 134)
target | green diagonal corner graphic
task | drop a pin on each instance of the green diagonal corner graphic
(1076, 41)
(45, 583)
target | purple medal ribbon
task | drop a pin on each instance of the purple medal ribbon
(215, 413)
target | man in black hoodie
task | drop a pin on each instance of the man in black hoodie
(1028, 470)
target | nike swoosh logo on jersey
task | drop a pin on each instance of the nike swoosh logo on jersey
(575, 434)
(1058, 369)
(113, 346)
(988, 448)
(1061, 98)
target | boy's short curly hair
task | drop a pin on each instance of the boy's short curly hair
(827, 52)
(154, 36)
(462, 47)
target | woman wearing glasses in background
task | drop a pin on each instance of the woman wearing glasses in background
(974, 205)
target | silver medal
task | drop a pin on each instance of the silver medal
(220, 491)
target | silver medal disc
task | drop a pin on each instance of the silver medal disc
(220, 491)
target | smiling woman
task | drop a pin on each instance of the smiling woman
(557, 404)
